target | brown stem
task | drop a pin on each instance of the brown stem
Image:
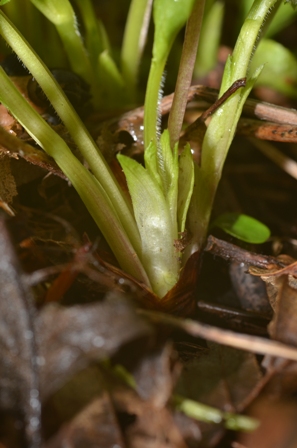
(185, 73)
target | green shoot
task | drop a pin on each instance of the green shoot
(134, 41)
(76, 128)
(170, 195)
(73, 123)
(169, 17)
(222, 127)
(61, 14)
(186, 68)
(89, 189)
(155, 196)
(154, 220)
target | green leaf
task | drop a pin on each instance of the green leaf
(151, 163)
(216, 143)
(3, 2)
(280, 75)
(293, 3)
(243, 227)
(153, 218)
(169, 17)
(168, 170)
(57, 11)
(75, 126)
(162, 164)
(185, 186)
(114, 93)
(209, 40)
(134, 39)
(61, 14)
(92, 193)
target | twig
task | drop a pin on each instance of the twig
(245, 342)
(229, 251)
(281, 160)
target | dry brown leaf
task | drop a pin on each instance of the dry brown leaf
(96, 425)
(282, 293)
(155, 376)
(69, 338)
(223, 377)
(19, 382)
(277, 428)
(149, 427)
(8, 188)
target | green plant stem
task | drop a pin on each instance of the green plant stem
(89, 189)
(169, 18)
(186, 68)
(223, 124)
(134, 41)
(153, 95)
(259, 17)
(74, 125)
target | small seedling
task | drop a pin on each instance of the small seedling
(171, 195)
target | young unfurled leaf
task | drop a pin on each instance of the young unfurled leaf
(169, 17)
(243, 227)
(162, 164)
(153, 217)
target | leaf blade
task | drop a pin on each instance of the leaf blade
(153, 218)
(243, 227)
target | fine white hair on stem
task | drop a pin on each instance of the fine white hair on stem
(159, 109)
